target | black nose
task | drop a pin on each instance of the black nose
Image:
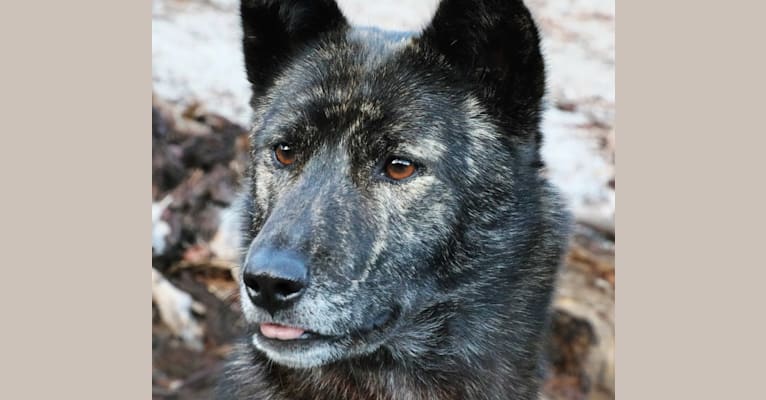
(275, 279)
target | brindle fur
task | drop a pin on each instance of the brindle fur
(462, 256)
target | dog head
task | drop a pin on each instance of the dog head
(393, 177)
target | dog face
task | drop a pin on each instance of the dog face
(392, 177)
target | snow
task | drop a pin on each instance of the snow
(196, 56)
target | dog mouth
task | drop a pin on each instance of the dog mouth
(287, 333)
(283, 332)
(298, 346)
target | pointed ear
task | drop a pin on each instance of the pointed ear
(274, 29)
(495, 43)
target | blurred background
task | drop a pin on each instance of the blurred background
(199, 150)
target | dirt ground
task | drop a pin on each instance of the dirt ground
(200, 149)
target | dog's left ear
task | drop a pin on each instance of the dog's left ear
(496, 44)
(273, 30)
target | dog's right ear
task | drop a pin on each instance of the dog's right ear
(273, 30)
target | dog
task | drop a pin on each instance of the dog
(401, 239)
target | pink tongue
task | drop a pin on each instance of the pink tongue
(280, 332)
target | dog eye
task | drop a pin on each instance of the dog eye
(284, 154)
(398, 169)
